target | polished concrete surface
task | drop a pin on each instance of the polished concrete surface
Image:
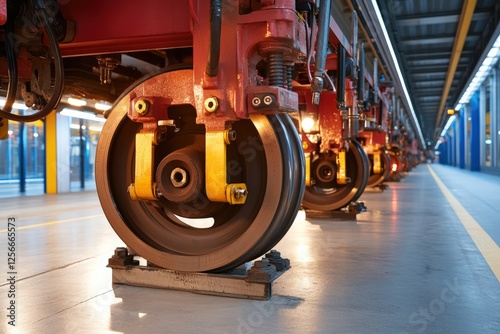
(407, 265)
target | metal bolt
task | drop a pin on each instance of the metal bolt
(229, 136)
(178, 177)
(268, 100)
(240, 193)
(166, 122)
(141, 106)
(121, 252)
(273, 254)
(256, 101)
(211, 104)
(264, 263)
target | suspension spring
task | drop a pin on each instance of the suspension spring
(289, 73)
(275, 70)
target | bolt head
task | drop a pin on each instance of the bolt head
(141, 106)
(268, 100)
(211, 104)
(121, 252)
(264, 263)
(256, 101)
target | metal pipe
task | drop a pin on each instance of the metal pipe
(321, 49)
(361, 75)
(375, 80)
(354, 41)
(351, 124)
(341, 69)
(215, 32)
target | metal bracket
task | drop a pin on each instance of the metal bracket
(216, 168)
(377, 165)
(341, 168)
(249, 281)
(143, 186)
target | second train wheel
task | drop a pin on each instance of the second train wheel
(326, 194)
(266, 155)
(377, 178)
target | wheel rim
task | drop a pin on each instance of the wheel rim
(158, 232)
(332, 196)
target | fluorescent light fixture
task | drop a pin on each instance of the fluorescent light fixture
(77, 102)
(493, 52)
(482, 72)
(103, 106)
(497, 42)
(458, 107)
(445, 129)
(398, 70)
(448, 124)
(95, 128)
(83, 115)
(487, 62)
(16, 105)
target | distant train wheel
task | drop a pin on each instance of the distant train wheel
(376, 179)
(396, 166)
(325, 194)
(188, 232)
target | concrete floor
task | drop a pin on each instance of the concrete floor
(407, 265)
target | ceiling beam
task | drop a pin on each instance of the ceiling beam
(436, 53)
(420, 20)
(463, 28)
(427, 40)
(444, 39)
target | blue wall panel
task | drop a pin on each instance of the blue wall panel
(475, 147)
(461, 138)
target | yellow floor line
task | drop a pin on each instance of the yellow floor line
(486, 245)
(54, 222)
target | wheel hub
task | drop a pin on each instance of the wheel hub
(324, 170)
(180, 175)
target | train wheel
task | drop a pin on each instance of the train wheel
(325, 194)
(187, 232)
(376, 179)
(396, 166)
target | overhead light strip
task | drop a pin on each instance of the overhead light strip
(487, 61)
(445, 129)
(83, 115)
(400, 77)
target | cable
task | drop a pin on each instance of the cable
(215, 31)
(59, 74)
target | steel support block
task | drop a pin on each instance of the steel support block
(249, 281)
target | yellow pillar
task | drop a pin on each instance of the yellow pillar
(51, 153)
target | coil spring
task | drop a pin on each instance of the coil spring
(275, 70)
(289, 73)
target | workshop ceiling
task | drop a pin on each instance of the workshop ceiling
(423, 33)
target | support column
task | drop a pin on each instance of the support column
(22, 158)
(63, 163)
(50, 154)
(475, 143)
(461, 137)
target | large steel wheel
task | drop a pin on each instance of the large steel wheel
(266, 155)
(326, 194)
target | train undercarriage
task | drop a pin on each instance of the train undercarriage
(239, 114)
